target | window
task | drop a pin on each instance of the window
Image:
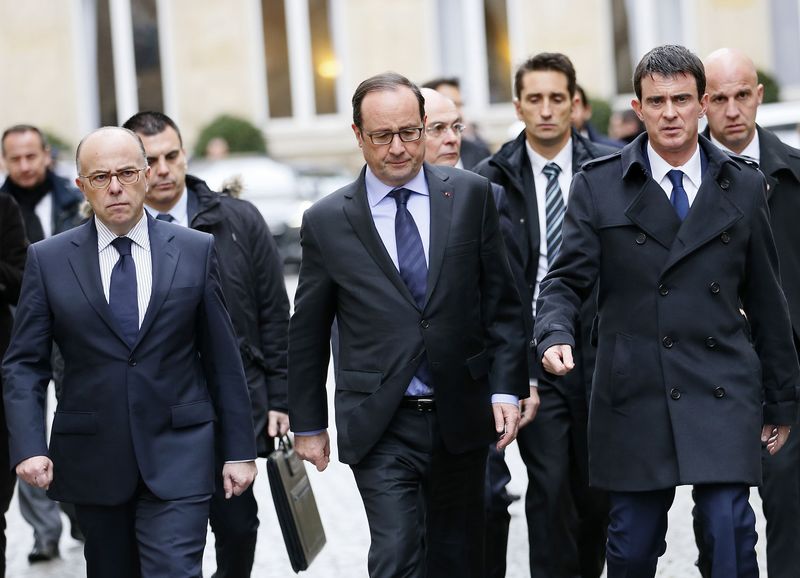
(498, 50)
(107, 93)
(147, 55)
(325, 65)
(276, 55)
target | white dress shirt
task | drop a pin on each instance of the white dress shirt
(692, 172)
(751, 151)
(140, 251)
(180, 212)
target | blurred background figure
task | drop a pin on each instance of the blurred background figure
(624, 126)
(217, 148)
(473, 148)
(582, 120)
(49, 205)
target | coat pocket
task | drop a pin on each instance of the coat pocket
(75, 422)
(193, 413)
(478, 365)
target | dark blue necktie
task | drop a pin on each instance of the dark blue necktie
(413, 271)
(122, 293)
(165, 217)
(678, 198)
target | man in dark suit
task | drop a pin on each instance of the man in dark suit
(251, 275)
(12, 262)
(734, 96)
(566, 519)
(151, 363)
(410, 260)
(676, 234)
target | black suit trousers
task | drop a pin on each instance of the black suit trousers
(424, 505)
(567, 520)
(7, 481)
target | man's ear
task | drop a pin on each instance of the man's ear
(637, 108)
(359, 136)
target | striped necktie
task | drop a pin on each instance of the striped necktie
(554, 211)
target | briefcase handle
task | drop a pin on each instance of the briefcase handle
(286, 447)
(284, 443)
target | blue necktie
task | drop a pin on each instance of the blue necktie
(413, 271)
(165, 217)
(678, 198)
(122, 293)
(554, 211)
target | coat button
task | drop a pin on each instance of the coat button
(719, 392)
(668, 342)
(714, 287)
(711, 343)
(132, 362)
(725, 237)
(724, 184)
(425, 323)
(675, 393)
(522, 220)
(641, 238)
(663, 290)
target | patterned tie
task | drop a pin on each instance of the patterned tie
(122, 293)
(165, 217)
(554, 211)
(413, 271)
(678, 198)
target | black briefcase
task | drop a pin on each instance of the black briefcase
(295, 505)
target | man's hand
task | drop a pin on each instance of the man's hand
(315, 449)
(774, 436)
(36, 471)
(277, 423)
(558, 359)
(528, 407)
(237, 477)
(506, 423)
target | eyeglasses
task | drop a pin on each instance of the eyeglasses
(385, 137)
(103, 180)
(437, 129)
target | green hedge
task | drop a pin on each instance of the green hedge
(242, 136)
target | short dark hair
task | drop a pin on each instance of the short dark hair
(546, 61)
(150, 123)
(582, 95)
(19, 129)
(435, 83)
(670, 60)
(384, 81)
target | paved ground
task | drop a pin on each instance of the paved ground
(344, 556)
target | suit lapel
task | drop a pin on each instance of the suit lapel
(441, 203)
(164, 255)
(85, 263)
(356, 210)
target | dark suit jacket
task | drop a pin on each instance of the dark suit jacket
(678, 386)
(510, 167)
(146, 410)
(470, 326)
(12, 262)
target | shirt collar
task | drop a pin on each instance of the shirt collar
(179, 211)
(138, 234)
(563, 159)
(752, 150)
(659, 167)
(377, 189)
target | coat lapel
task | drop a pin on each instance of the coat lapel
(164, 255)
(712, 211)
(356, 210)
(441, 202)
(652, 212)
(85, 263)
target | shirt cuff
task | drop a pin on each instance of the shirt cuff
(534, 383)
(240, 461)
(313, 432)
(505, 398)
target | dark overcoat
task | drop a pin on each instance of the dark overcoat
(680, 390)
